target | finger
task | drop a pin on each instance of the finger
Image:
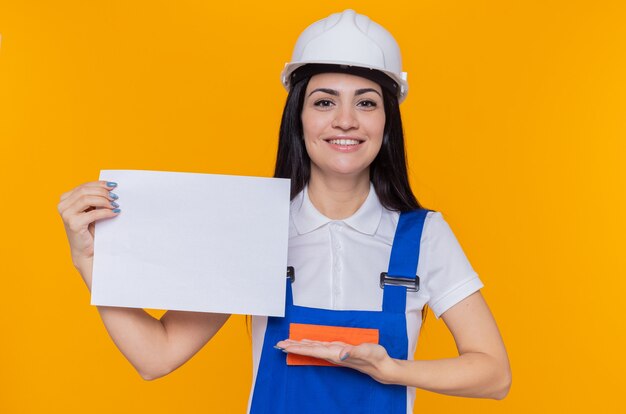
(312, 341)
(290, 342)
(91, 190)
(85, 202)
(304, 342)
(80, 222)
(89, 202)
(107, 185)
(294, 341)
(312, 351)
(330, 352)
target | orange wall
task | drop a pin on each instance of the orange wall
(516, 132)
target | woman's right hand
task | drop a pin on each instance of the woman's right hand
(80, 208)
(154, 347)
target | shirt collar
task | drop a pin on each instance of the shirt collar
(307, 218)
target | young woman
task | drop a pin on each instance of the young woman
(353, 217)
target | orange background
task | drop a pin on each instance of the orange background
(515, 122)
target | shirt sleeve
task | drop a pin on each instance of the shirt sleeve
(449, 277)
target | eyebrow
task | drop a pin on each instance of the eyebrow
(336, 93)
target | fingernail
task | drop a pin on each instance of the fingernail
(346, 355)
(114, 204)
(111, 184)
(277, 347)
(113, 196)
(116, 210)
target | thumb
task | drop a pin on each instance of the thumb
(345, 352)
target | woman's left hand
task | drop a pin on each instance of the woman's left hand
(371, 359)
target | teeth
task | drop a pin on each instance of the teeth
(344, 141)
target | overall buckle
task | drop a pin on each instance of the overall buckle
(411, 284)
(291, 273)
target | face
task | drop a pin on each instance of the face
(343, 121)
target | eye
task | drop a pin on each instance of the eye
(323, 103)
(367, 103)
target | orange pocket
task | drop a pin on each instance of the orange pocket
(352, 336)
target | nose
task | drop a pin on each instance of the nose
(345, 119)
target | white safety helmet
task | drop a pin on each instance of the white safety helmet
(352, 40)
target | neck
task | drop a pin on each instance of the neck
(338, 197)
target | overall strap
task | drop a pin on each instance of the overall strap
(405, 253)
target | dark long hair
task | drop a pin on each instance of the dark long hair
(388, 171)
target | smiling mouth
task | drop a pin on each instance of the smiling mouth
(344, 141)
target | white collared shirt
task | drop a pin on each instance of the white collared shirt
(338, 264)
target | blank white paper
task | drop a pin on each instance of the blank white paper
(194, 242)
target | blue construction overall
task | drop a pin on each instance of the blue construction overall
(282, 388)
